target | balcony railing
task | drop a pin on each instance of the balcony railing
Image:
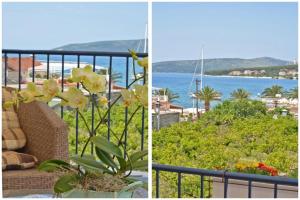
(276, 181)
(77, 57)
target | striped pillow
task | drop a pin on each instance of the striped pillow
(10, 120)
(13, 138)
(12, 135)
(13, 160)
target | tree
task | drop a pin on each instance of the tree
(240, 94)
(208, 94)
(172, 96)
(272, 91)
(293, 93)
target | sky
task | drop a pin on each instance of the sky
(226, 30)
(50, 25)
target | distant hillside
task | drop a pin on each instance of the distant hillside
(188, 66)
(111, 46)
(270, 71)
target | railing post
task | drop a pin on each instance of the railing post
(225, 187)
(48, 67)
(33, 67)
(157, 183)
(179, 185)
(109, 96)
(201, 186)
(20, 77)
(62, 82)
(5, 69)
(275, 190)
(77, 121)
(249, 189)
(126, 109)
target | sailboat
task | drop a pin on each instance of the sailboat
(194, 78)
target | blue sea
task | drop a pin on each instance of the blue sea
(118, 64)
(180, 83)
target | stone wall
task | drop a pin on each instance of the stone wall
(166, 119)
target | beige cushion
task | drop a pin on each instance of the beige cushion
(13, 138)
(13, 160)
(10, 120)
(12, 135)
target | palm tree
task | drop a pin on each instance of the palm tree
(172, 96)
(208, 94)
(272, 91)
(240, 94)
(293, 93)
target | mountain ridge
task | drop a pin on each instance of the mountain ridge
(108, 45)
(215, 64)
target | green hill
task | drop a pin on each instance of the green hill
(216, 64)
(270, 71)
(110, 46)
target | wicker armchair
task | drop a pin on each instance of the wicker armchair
(47, 138)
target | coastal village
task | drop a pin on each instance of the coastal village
(283, 73)
(165, 112)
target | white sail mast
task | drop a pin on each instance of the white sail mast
(201, 75)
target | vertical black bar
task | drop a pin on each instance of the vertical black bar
(157, 183)
(225, 187)
(93, 107)
(62, 82)
(179, 185)
(76, 136)
(249, 189)
(275, 190)
(143, 116)
(5, 69)
(201, 186)
(48, 67)
(33, 67)
(20, 71)
(109, 96)
(126, 109)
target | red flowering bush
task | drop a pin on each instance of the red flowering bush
(273, 171)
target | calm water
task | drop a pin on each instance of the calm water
(118, 64)
(180, 83)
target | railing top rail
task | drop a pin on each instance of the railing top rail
(81, 53)
(230, 175)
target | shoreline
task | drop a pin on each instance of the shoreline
(230, 76)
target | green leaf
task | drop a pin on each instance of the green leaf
(90, 164)
(106, 158)
(109, 147)
(142, 164)
(122, 163)
(52, 165)
(66, 183)
(137, 155)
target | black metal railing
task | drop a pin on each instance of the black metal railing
(225, 175)
(17, 54)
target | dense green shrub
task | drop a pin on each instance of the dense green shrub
(232, 131)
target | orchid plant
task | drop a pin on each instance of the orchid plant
(112, 159)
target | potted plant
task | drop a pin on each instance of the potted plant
(108, 173)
